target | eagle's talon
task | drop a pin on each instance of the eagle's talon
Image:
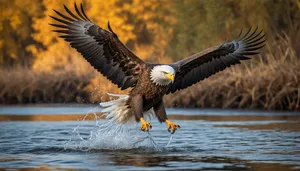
(145, 126)
(172, 127)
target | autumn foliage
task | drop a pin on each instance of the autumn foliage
(157, 31)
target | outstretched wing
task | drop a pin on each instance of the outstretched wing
(100, 47)
(204, 64)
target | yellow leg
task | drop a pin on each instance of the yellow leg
(172, 126)
(145, 126)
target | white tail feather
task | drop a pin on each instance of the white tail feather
(117, 95)
(119, 111)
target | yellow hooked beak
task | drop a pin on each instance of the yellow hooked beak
(170, 76)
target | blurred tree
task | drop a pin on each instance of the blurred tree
(16, 29)
(201, 24)
(157, 30)
(151, 21)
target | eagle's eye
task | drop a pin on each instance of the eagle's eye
(164, 72)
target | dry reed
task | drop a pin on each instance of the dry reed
(269, 81)
(27, 86)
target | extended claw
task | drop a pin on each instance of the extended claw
(145, 126)
(172, 126)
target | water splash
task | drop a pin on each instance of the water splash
(108, 135)
(169, 142)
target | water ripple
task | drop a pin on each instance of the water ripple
(197, 145)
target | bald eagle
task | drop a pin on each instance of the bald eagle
(149, 82)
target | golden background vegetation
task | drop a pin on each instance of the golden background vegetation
(38, 67)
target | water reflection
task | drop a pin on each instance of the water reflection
(283, 126)
(173, 161)
(128, 161)
(92, 116)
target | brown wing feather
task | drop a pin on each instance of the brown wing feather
(210, 61)
(101, 48)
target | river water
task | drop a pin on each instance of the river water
(51, 138)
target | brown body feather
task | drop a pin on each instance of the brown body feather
(150, 92)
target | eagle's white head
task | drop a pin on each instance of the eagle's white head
(162, 75)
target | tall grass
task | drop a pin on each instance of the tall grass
(268, 81)
(27, 86)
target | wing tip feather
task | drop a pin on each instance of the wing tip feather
(78, 12)
(82, 10)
